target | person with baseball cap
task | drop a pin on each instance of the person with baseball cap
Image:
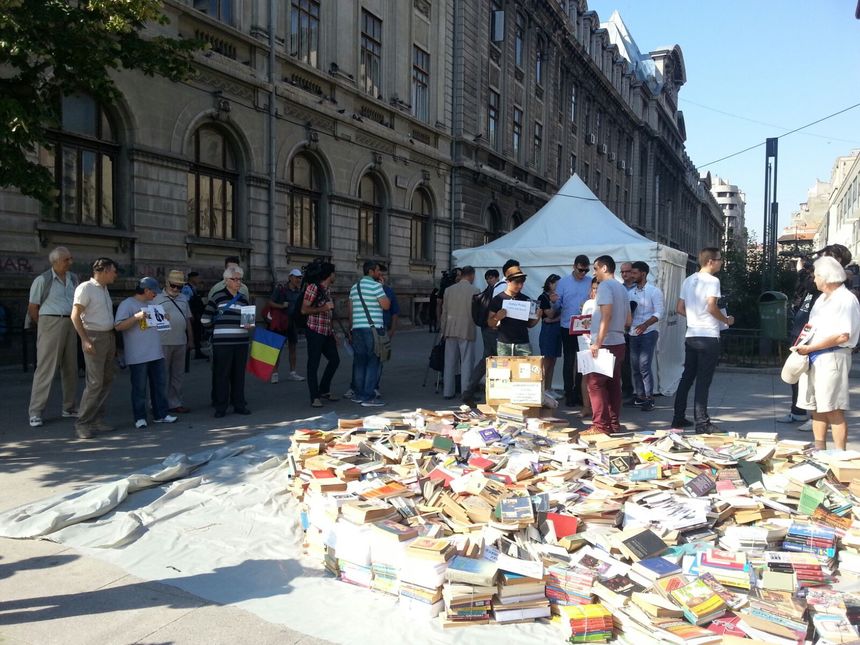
(286, 298)
(143, 353)
(176, 340)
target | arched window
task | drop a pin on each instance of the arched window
(82, 159)
(370, 216)
(516, 220)
(303, 203)
(421, 215)
(212, 186)
(495, 225)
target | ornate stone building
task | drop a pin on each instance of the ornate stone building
(361, 129)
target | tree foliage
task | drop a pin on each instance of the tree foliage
(49, 48)
(744, 279)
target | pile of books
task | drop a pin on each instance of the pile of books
(588, 623)
(470, 518)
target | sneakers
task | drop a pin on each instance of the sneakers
(805, 427)
(292, 376)
(636, 401)
(70, 414)
(166, 419)
(708, 428)
(355, 399)
(329, 397)
(316, 403)
(591, 431)
(274, 378)
(373, 403)
(647, 405)
(140, 424)
(35, 421)
(681, 423)
(349, 394)
(791, 418)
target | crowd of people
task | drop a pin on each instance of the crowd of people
(160, 325)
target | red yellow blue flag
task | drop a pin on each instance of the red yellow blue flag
(265, 348)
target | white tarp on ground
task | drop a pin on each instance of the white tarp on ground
(231, 534)
(575, 221)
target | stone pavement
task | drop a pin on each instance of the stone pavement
(51, 594)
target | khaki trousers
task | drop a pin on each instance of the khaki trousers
(100, 373)
(56, 347)
(174, 363)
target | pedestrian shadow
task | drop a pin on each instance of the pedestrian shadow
(9, 569)
(252, 579)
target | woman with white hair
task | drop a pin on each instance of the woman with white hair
(835, 328)
(223, 315)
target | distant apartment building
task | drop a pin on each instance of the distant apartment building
(732, 203)
(839, 224)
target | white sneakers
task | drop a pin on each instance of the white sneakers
(168, 419)
(791, 418)
(274, 378)
(35, 421)
(292, 376)
(140, 423)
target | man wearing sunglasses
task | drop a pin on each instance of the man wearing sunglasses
(573, 290)
(513, 331)
(177, 339)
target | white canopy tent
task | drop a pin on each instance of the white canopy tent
(575, 221)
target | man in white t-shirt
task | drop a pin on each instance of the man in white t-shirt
(698, 302)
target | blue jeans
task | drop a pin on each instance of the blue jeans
(365, 364)
(154, 372)
(641, 354)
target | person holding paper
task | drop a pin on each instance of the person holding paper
(610, 317)
(698, 302)
(223, 315)
(572, 290)
(510, 314)
(835, 320)
(644, 334)
(177, 339)
(550, 330)
(138, 321)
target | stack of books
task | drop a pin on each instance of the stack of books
(810, 570)
(422, 575)
(588, 623)
(388, 544)
(646, 572)
(730, 569)
(700, 603)
(569, 585)
(809, 537)
(468, 591)
(775, 613)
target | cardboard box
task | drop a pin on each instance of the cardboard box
(515, 379)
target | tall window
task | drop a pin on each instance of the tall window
(539, 62)
(303, 204)
(497, 21)
(371, 53)
(516, 220)
(420, 83)
(493, 119)
(538, 145)
(586, 123)
(558, 165)
(572, 164)
(82, 159)
(219, 9)
(519, 39)
(597, 123)
(370, 217)
(419, 245)
(305, 31)
(212, 186)
(517, 131)
(495, 228)
(573, 103)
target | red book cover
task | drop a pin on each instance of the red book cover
(481, 462)
(322, 474)
(564, 524)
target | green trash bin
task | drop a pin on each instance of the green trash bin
(773, 312)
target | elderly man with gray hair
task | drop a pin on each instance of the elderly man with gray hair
(223, 315)
(835, 327)
(49, 310)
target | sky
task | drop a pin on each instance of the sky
(756, 69)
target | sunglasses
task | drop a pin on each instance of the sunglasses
(174, 286)
(580, 270)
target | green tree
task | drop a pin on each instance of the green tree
(49, 48)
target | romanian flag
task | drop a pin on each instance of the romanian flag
(265, 349)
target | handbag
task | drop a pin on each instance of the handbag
(795, 366)
(381, 342)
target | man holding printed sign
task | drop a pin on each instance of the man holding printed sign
(140, 322)
(513, 313)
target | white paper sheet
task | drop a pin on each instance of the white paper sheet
(155, 317)
(517, 309)
(603, 364)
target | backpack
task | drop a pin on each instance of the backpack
(48, 279)
(481, 306)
